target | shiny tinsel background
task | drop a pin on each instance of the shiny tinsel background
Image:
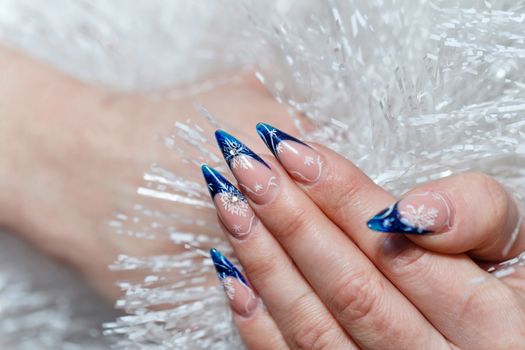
(408, 90)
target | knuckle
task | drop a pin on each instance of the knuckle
(347, 194)
(316, 335)
(295, 221)
(479, 302)
(358, 298)
(261, 271)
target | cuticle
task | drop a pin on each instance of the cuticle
(252, 312)
(450, 206)
(244, 238)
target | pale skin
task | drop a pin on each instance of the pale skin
(56, 134)
(328, 281)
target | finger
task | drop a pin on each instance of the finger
(259, 332)
(256, 327)
(348, 198)
(300, 315)
(468, 213)
(367, 305)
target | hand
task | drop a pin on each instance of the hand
(330, 282)
(72, 154)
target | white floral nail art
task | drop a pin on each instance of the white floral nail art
(233, 203)
(420, 213)
(228, 288)
(420, 217)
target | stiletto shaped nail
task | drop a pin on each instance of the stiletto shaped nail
(422, 213)
(232, 206)
(300, 160)
(241, 296)
(254, 175)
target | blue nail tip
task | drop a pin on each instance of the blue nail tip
(225, 267)
(218, 184)
(273, 136)
(390, 220)
(232, 147)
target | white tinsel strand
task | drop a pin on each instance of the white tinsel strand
(45, 312)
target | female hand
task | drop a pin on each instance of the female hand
(329, 280)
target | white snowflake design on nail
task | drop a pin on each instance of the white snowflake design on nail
(308, 160)
(234, 203)
(279, 148)
(228, 288)
(420, 217)
(272, 132)
(233, 153)
(258, 188)
(241, 161)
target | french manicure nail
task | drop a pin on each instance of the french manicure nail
(254, 175)
(419, 213)
(301, 161)
(232, 206)
(240, 294)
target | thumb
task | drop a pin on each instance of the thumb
(468, 213)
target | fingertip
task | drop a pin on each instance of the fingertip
(467, 213)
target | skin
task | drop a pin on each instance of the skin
(384, 291)
(56, 134)
(328, 282)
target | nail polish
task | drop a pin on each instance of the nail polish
(301, 161)
(232, 206)
(421, 213)
(239, 293)
(254, 175)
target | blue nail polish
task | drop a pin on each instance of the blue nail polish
(232, 148)
(390, 220)
(225, 267)
(219, 184)
(273, 136)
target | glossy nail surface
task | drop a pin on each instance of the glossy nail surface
(241, 296)
(421, 213)
(301, 161)
(232, 206)
(254, 175)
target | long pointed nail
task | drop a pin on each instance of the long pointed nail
(232, 206)
(241, 296)
(301, 161)
(254, 175)
(422, 213)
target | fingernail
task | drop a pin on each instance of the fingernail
(420, 213)
(241, 296)
(301, 161)
(232, 206)
(254, 175)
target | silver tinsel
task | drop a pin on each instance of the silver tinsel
(410, 91)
